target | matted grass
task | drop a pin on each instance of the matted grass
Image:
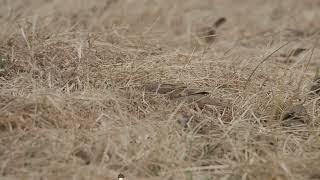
(91, 89)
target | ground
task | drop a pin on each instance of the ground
(171, 89)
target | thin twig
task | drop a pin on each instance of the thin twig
(263, 60)
(305, 69)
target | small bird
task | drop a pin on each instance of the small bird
(294, 116)
(209, 32)
(120, 177)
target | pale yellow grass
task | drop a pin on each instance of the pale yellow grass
(73, 103)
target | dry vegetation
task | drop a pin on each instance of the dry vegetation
(166, 90)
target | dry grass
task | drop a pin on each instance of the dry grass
(89, 89)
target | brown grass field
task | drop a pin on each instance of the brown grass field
(159, 90)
